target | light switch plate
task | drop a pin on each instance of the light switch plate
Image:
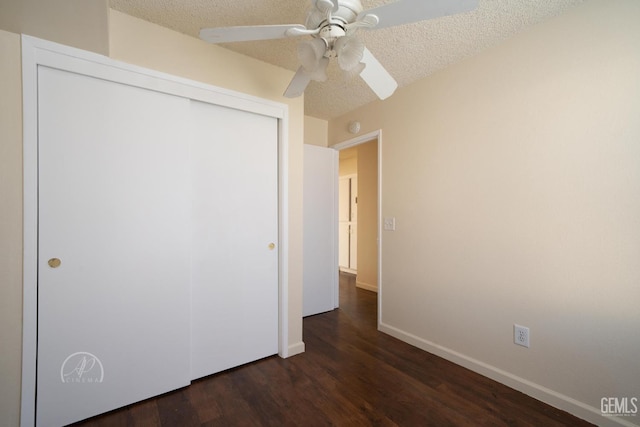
(390, 224)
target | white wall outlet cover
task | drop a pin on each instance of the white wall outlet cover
(521, 335)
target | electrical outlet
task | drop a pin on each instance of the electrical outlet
(521, 335)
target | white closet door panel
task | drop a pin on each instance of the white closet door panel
(320, 279)
(114, 208)
(235, 217)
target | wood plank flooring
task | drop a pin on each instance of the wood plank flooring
(350, 375)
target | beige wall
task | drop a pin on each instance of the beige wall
(348, 162)
(367, 276)
(515, 181)
(10, 228)
(77, 23)
(316, 131)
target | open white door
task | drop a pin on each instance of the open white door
(320, 189)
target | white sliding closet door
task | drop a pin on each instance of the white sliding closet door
(113, 245)
(235, 248)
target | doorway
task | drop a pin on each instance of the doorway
(348, 213)
(362, 154)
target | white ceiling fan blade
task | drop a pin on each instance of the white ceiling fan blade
(298, 84)
(409, 11)
(375, 75)
(250, 33)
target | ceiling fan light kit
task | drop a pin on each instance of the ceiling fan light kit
(349, 51)
(310, 52)
(320, 73)
(332, 25)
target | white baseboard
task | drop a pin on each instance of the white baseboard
(348, 270)
(366, 286)
(548, 396)
(294, 349)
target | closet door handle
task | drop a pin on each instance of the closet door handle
(272, 246)
(54, 262)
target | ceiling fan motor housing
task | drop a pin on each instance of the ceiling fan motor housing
(347, 13)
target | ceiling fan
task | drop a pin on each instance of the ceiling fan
(332, 25)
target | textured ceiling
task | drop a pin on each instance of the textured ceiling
(408, 52)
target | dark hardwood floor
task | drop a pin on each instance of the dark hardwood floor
(350, 375)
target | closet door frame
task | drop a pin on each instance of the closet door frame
(41, 53)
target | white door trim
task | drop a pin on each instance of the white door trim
(36, 53)
(372, 136)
